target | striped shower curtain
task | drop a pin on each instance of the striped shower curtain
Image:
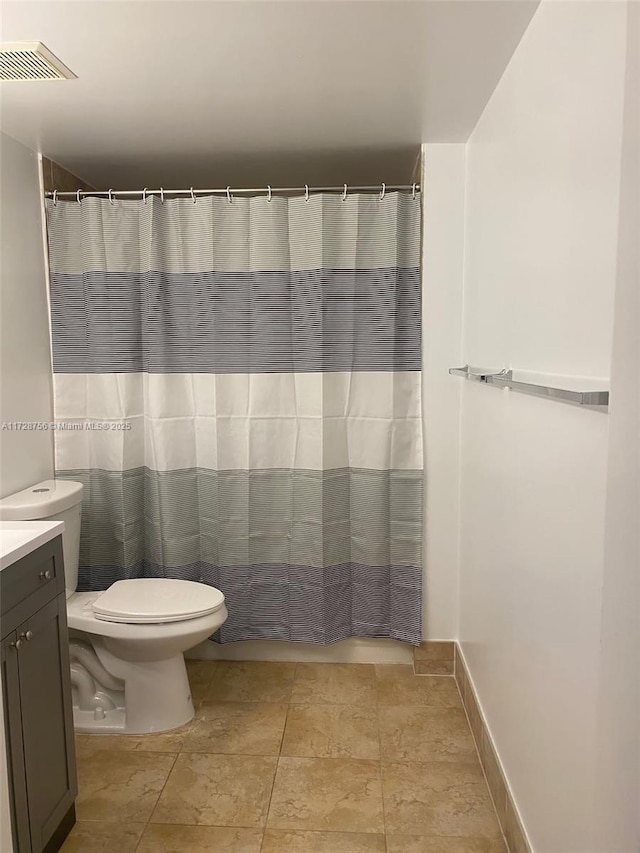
(237, 385)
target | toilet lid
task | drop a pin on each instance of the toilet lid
(156, 600)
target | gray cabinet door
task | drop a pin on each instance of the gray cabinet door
(47, 720)
(15, 753)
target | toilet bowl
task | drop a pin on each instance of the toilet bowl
(126, 643)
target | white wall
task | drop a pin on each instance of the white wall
(25, 364)
(618, 786)
(541, 232)
(442, 256)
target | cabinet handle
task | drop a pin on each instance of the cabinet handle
(28, 635)
(45, 575)
(15, 644)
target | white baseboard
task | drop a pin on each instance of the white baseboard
(353, 650)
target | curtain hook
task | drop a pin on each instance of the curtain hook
(110, 196)
(306, 192)
(383, 191)
(55, 198)
(193, 195)
(144, 194)
(78, 199)
(229, 196)
(268, 192)
(413, 190)
(161, 195)
(344, 193)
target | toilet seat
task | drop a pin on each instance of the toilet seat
(156, 600)
(80, 617)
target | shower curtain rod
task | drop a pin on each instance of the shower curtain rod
(231, 191)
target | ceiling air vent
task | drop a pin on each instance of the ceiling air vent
(30, 60)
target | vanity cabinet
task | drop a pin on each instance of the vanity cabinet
(38, 710)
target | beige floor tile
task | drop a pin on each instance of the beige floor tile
(200, 674)
(240, 728)
(331, 731)
(427, 733)
(439, 798)
(119, 785)
(223, 790)
(166, 742)
(164, 838)
(433, 667)
(251, 681)
(325, 794)
(426, 844)
(334, 684)
(434, 650)
(100, 837)
(278, 841)
(397, 685)
(434, 658)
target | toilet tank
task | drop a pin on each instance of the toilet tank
(51, 500)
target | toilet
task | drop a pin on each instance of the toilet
(126, 643)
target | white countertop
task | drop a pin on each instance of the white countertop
(19, 538)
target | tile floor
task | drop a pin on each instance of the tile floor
(293, 758)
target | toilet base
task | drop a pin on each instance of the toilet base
(156, 698)
(113, 723)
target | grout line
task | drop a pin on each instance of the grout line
(275, 772)
(434, 675)
(148, 820)
(384, 814)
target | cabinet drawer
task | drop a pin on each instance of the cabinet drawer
(36, 578)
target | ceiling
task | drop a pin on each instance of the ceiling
(246, 93)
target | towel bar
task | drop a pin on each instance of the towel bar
(504, 379)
